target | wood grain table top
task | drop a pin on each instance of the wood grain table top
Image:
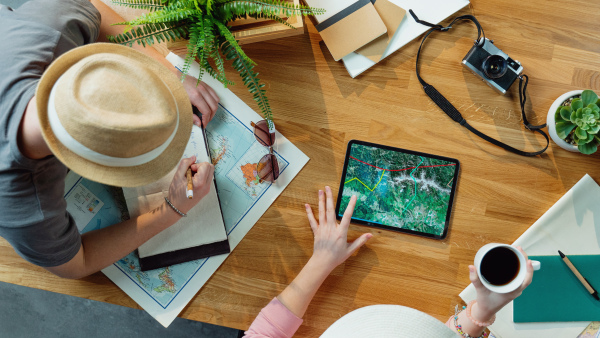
(319, 107)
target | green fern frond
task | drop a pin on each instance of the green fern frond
(150, 5)
(212, 49)
(149, 33)
(210, 70)
(231, 9)
(250, 78)
(208, 38)
(195, 43)
(164, 15)
(216, 56)
(209, 6)
(231, 39)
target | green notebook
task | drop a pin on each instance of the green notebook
(556, 295)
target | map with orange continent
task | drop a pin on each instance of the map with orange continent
(249, 170)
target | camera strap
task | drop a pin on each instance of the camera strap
(454, 114)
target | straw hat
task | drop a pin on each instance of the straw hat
(114, 115)
(388, 321)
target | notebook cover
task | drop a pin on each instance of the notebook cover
(556, 295)
(391, 15)
(184, 255)
(350, 28)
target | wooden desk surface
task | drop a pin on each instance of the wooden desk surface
(320, 108)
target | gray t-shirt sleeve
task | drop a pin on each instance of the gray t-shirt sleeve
(34, 219)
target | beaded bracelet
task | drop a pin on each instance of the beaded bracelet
(459, 327)
(176, 210)
(476, 322)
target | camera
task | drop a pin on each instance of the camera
(492, 65)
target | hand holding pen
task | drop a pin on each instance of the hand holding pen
(201, 175)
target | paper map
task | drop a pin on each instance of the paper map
(165, 292)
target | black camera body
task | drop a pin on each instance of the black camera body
(492, 65)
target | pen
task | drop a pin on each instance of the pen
(199, 114)
(583, 281)
(190, 187)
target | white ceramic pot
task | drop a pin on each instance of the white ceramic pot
(552, 123)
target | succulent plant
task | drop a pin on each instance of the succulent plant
(581, 121)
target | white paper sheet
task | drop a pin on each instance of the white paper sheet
(572, 225)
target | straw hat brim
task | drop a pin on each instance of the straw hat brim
(116, 176)
(388, 321)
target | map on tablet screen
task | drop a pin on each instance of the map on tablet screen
(398, 189)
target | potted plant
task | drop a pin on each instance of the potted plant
(210, 42)
(574, 121)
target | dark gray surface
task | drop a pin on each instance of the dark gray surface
(27, 312)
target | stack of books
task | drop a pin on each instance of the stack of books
(362, 26)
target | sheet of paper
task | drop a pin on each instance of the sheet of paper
(203, 224)
(163, 293)
(572, 225)
(433, 11)
(82, 204)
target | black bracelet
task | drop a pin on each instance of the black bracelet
(176, 210)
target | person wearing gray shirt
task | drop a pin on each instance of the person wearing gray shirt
(34, 219)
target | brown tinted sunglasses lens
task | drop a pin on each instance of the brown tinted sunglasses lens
(268, 168)
(261, 132)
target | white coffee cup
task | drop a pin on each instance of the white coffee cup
(516, 282)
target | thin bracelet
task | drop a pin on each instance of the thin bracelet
(176, 210)
(459, 327)
(476, 322)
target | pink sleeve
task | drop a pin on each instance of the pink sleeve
(274, 321)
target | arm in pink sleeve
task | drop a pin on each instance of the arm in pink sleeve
(274, 321)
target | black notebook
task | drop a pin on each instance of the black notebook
(199, 235)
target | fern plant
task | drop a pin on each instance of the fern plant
(211, 43)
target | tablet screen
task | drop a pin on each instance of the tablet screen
(398, 189)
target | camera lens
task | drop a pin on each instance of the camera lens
(494, 66)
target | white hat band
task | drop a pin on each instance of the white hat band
(81, 150)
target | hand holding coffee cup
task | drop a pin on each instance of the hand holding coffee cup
(500, 274)
(502, 268)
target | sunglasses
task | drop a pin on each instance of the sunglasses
(268, 167)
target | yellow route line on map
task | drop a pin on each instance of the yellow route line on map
(366, 186)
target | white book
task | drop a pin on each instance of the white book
(202, 227)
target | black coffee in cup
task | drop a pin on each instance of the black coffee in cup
(500, 266)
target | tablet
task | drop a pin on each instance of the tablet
(398, 189)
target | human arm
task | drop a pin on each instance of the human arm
(331, 248)
(487, 303)
(105, 246)
(202, 96)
